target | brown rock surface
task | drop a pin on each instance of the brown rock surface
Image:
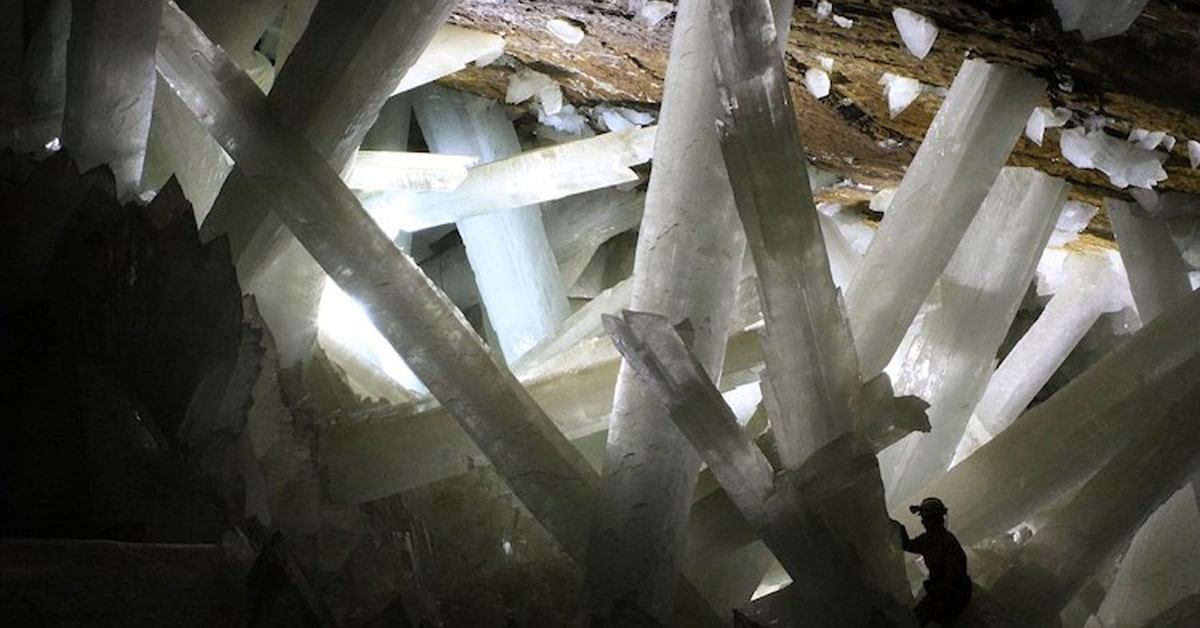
(1142, 79)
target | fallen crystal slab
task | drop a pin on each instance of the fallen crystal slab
(1161, 566)
(917, 31)
(1056, 444)
(1066, 551)
(1194, 153)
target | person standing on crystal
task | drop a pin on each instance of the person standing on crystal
(948, 589)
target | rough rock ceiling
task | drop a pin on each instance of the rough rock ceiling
(1137, 80)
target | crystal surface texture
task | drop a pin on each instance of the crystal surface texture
(526, 179)
(1065, 552)
(510, 255)
(1089, 290)
(110, 85)
(953, 354)
(1157, 273)
(961, 155)
(1056, 444)
(689, 255)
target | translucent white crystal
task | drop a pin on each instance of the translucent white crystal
(510, 255)
(567, 120)
(817, 82)
(900, 91)
(1194, 153)
(962, 153)
(621, 118)
(917, 31)
(1147, 140)
(1072, 221)
(452, 48)
(110, 87)
(1095, 122)
(882, 200)
(688, 262)
(824, 9)
(951, 357)
(550, 100)
(1098, 18)
(1042, 119)
(418, 172)
(1088, 287)
(1169, 142)
(1161, 566)
(565, 31)
(532, 177)
(843, 21)
(344, 320)
(411, 312)
(1125, 164)
(654, 12)
(826, 63)
(1157, 273)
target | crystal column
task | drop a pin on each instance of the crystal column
(959, 159)
(689, 255)
(1089, 290)
(514, 267)
(1157, 273)
(1065, 552)
(951, 358)
(1059, 442)
(110, 85)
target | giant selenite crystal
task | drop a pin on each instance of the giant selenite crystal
(541, 467)
(809, 527)
(330, 93)
(522, 179)
(110, 85)
(1157, 273)
(1161, 566)
(1057, 443)
(961, 155)
(1090, 289)
(952, 356)
(1066, 551)
(812, 370)
(514, 267)
(688, 257)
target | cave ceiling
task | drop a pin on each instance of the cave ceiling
(1145, 78)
